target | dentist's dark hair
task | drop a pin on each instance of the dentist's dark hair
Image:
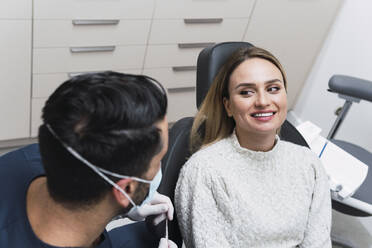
(110, 119)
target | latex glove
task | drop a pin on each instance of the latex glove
(164, 244)
(159, 205)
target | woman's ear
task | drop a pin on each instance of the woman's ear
(129, 187)
(226, 104)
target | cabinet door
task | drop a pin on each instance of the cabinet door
(15, 74)
(294, 32)
(15, 9)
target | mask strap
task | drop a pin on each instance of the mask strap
(93, 167)
(122, 176)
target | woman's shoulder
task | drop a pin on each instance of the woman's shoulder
(301, 155)
(207, 157)
(297, 150)
(211, 152)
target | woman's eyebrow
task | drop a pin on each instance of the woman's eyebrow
(253, 84)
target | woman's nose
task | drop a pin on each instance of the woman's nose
(262, 99)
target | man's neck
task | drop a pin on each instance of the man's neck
(58, 226)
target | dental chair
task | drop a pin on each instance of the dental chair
(209, 62)
(352, 90)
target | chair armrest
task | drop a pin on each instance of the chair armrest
(351, 86)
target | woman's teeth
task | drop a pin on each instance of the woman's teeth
(263, 114)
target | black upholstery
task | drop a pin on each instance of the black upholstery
(177, 155)
(209, 62)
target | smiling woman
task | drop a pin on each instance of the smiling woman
(257, 101)
(243, 186)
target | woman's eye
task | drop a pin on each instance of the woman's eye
(246, 92)
(273, 89)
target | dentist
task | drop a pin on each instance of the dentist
(100, 146)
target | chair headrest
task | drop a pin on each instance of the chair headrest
(210, 60)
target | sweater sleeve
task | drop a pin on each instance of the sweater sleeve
(201, 207)
(317, 233)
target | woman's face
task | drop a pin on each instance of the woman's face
(258, 99)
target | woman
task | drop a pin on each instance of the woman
(243, 186)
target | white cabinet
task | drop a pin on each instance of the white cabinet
(159, 38)
(179, 31)
(15, 68)
(16, 9)
(294, 32)
(77, 36)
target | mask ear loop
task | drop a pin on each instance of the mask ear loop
(96, 169)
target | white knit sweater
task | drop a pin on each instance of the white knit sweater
(229, 196)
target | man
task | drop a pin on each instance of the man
(101, 142)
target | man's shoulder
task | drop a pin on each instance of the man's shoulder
(17, 169)
(22, 159)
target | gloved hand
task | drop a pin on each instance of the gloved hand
(164, 244)
(159, 205)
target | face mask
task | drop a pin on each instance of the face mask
(154, 183)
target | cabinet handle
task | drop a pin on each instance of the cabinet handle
(73, 74)
(184, 68)
(181, 89)
(92, 49)
(202, 20)
(95, 22)
(196, 45)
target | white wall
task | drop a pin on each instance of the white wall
(347, 50)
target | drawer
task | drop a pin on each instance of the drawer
(36, 109)
(181, 104)
(15, 9)
(170, 55)
(44, 84)
(90, 32)
(173, 78)
(205, 9)
(93, 9)
(54, 60)
(223, 30)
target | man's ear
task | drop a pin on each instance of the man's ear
(226, 104)
(129, 186)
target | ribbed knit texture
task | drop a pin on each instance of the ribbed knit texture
(229, 196)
